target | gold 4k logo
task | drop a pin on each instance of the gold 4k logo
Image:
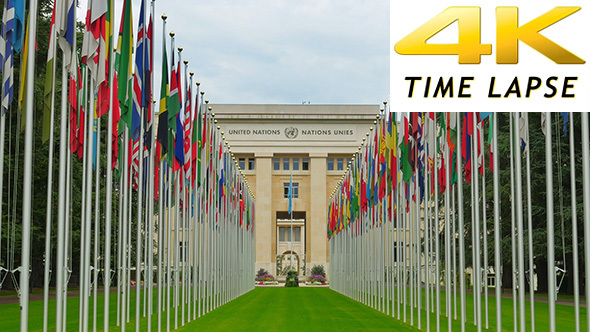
(469, 47)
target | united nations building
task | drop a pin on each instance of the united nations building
(309, 145)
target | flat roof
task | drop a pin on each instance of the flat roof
(295, 109)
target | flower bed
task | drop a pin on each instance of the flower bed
(265, 277)
(316, 279)
(262, 283)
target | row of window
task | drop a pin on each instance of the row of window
(295, 164)
(339, 165)
(285, 234)
(251, 164)
(291, 163)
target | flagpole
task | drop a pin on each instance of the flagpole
(96, 226)
(151, 175)
(47, 262)
(550, 217)
(574, 225)
(461, 228)
(530, 224)
(476, 221)
(512, 224)
(28, 165)
(448, 159)
(586, 189)
(520, 227)
(497, 229)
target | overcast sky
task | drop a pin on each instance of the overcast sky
(277, 51)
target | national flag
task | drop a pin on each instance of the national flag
(23, 79)
(7, 53)
(179, 132)
(49, 81)
(164, 95)
(147, 85)
(173, 104)
(123, 64)
(466, 147)
(138, 79)
(94, 43)
(187, 131)
(19, 25)
(566, 118)
(66, 30)
(491, 141)
(81, 104)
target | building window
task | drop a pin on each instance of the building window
(285, 234)
(180, 257)
(286, 162)
(340, 164)
(251, 164)
(296, 234)
(277, 164)
(295, 164)
(330, 164)
(305, 164)
(295, 190)
(242, 163)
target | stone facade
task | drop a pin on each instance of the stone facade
(311, 143)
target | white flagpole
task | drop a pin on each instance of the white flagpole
(574, 225)
(476, 221)
(550, 217)
(485, 230)
(520, 226)
(497, 228)
(512, 236)
(47, 262)
(461, 227)
(96, 227)
(586, 188)
(28, 167)
(530, 225)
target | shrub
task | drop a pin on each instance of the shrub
(265, 277)
(318, 270)
(261, 272)
(316, 278)
(292, 279)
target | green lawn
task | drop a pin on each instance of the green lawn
(293, 309)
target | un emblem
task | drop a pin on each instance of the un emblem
(291, 132)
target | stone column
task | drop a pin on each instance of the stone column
(318, 215)
(263, 226)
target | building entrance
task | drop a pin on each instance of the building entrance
(290, 245)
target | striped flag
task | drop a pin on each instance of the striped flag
(174, 109)
(187, 132)
(94, 43)
(6, 54)
(23, 74)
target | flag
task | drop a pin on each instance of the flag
(94, 43)
(178, 134)
(23, 79)
(123, 64)
(467, 132)
(164, 95)
(187, 131)
(491, 141)
(81, 104)
(566, 118)
(196, 147)
(147, 86)
(6, 54)
(66, 30)
(138, 78)
(19, 24)
(173, 104)
(49, 81)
